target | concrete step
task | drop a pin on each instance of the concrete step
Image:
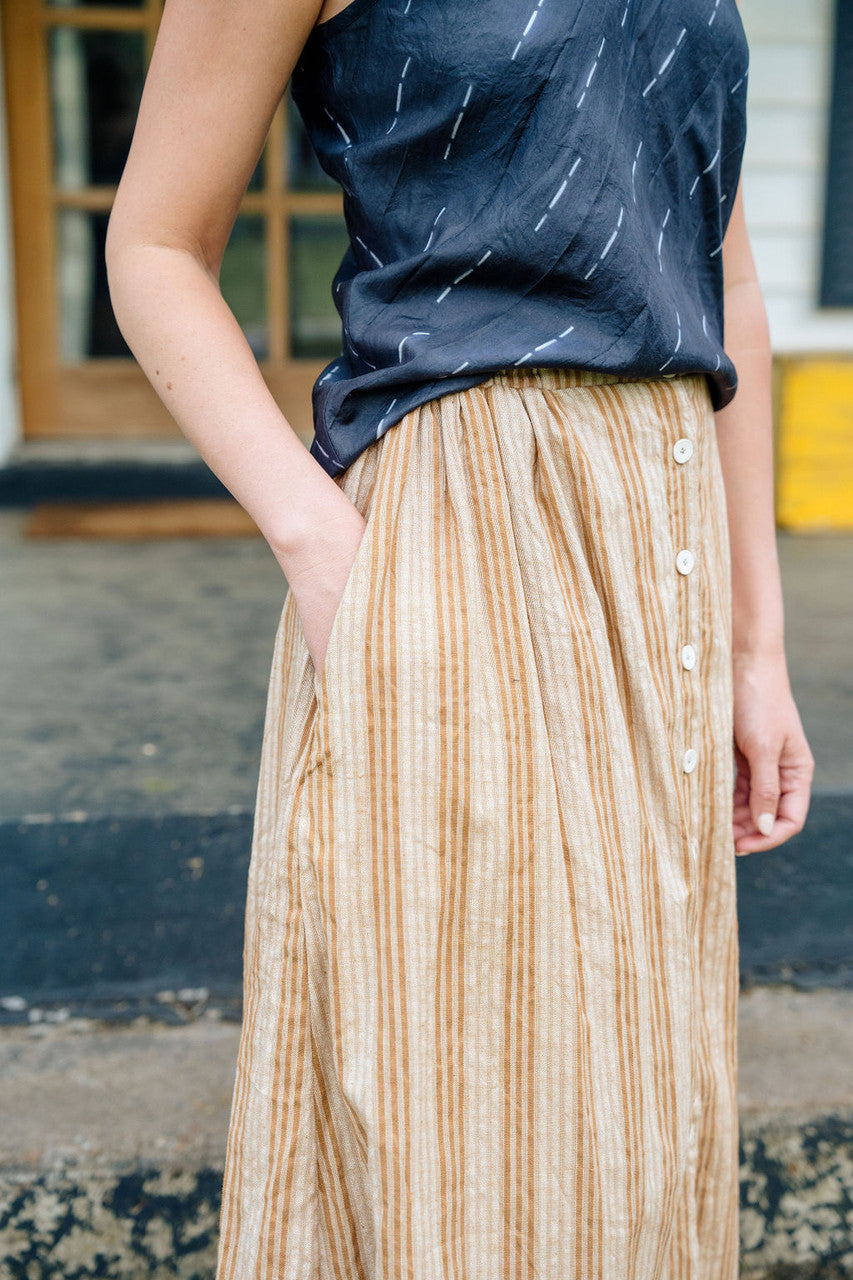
(103, 914)
(113, 1141)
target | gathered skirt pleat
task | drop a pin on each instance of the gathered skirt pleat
(491, 954)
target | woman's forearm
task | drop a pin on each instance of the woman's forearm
(745, 438)
(188, 342)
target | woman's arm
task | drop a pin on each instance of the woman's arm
(218, 71)
(775, 765)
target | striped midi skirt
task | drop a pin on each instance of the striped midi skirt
(491, 954)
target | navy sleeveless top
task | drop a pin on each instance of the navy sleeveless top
(526, 182)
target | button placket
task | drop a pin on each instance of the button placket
(685, 454)
(682, 452)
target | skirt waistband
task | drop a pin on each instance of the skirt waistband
(553, 378)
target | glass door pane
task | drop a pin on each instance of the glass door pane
(317, 245)
(243, 280)
(96, 80)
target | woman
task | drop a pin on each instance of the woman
(491, 962)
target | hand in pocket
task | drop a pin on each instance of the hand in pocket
(319, 579)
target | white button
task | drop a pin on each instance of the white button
(682, 449)
(691, 759)
(684, 561)
(688, 657)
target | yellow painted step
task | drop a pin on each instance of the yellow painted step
(814, 485)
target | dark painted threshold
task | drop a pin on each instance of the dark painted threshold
(26, 482)
(122, 914)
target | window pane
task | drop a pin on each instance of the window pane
(87, 326)
(96, 80)
(317, 246)
(836, 284)
(243, 280)
(256, 182)
(305, 173)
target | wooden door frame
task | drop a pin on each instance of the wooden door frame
(111, 397)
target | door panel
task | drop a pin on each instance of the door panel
(74, 75)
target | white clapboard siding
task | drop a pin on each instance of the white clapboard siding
(784, 171)
(785, 261)
(802, 128)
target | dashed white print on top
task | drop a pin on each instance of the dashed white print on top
(708, 167)
(542, 345)
(591, 71)
(710, 339)
(606, 248)
(660, 237)
(461, 277)
(378, 261)
(633, 170)
(663, 66)
(557, 195)
(530, 22)
(384, 417)
(347, 139)
(432, 232)
(458, 121)
(677, 345)
(418, 333)
(399, 93)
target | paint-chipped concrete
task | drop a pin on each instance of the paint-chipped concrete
(795, 1088)
(113, 1140)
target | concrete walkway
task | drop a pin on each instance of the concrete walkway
(134, 674)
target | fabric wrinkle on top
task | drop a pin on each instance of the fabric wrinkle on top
(524, 184)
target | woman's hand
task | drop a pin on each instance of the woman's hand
(317, 570)
(774, 763)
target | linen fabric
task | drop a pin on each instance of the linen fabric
(525, 182)
(491, 953)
